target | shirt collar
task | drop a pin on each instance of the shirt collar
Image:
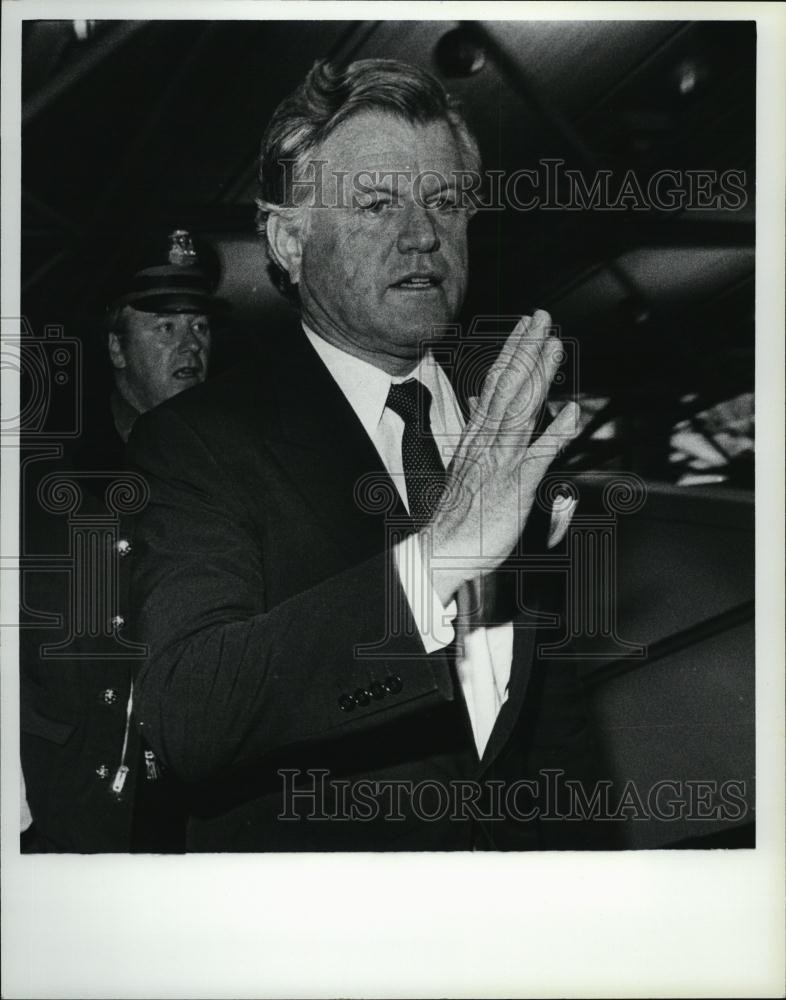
(365, 386)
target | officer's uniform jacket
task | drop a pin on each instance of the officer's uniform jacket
(82, 758)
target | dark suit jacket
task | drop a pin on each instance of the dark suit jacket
(265, 588)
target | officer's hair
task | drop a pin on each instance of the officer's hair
(326, 98)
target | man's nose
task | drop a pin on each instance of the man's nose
(418, 233)
(194, 340)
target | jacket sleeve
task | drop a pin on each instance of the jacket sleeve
(228, 679)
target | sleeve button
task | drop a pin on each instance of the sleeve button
(393, 684)
(377, 691)
(346, 702)
(362, 697)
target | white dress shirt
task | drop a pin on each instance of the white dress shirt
(484, 654)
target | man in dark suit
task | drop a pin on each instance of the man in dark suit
(342, 643)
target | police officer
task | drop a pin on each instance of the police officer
(91, 786)
(159, 333)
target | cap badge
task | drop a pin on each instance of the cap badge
(181, 250)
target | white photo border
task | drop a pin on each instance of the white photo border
(632, 924)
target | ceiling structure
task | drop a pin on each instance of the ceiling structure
(135, 127)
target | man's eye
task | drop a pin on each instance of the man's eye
(165, 326)
(446, 203)
(375, 204)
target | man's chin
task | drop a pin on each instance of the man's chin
(420, 336)
(420, 325)
(177, 385)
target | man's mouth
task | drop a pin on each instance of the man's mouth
(418, 281)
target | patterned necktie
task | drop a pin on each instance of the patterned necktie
(424, 473)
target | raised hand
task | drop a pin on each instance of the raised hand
(497, 467)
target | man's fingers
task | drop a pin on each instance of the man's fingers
(516, 377)
(515, 388)
(526, 417)
(509, 351)
(524, 411)
(483, 404)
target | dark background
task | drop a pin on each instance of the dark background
(141, 127)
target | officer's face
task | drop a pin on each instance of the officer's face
(160, 355)
(379, 272)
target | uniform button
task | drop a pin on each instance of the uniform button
(393, 684)
(118, 621)
(102, 771)
(109, 696)
(346, 702)
(122, 546)
(377, 691)
(362, 697)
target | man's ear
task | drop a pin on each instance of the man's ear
(116, 353)
(283, 237)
